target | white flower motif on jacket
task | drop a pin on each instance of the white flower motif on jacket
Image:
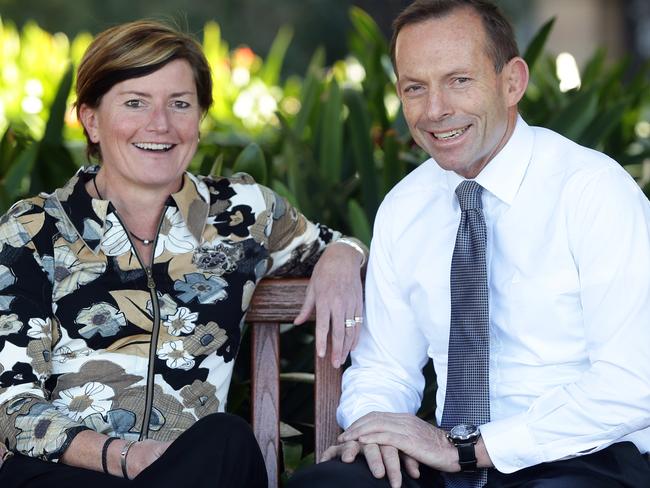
(79, 402)
(70, 273)
(9, 324)
(39, 328)
(7, 278)
(175, 355)
(115, 241)
(174, 235)
(182, 322)
(102, 318)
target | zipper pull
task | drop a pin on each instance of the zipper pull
(150, 282)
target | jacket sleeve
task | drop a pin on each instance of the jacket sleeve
(295, 243)
(29, 423)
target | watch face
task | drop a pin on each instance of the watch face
(464, 431)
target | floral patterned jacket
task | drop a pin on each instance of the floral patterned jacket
(91, 338)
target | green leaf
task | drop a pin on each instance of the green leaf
(217, 167)
(358, 124)
(394, 166)
(331, 141)
(54, 128)
(536, 46)
(366, 27)
(602, 125)
(251, 160)
(273, 65)
(359, 222)
(309, 99)
(576, 116)
(14, 181)
(594, 68)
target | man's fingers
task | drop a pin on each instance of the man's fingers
(411, 466)
(374, 460)
(390, 456)
(349, 451)
(331, 452)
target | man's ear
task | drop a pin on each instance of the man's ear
(88, 118)
(515, 78)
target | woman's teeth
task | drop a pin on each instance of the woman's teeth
(152, 146)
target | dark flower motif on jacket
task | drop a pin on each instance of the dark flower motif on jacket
(235, 221)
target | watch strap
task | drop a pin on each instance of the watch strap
(466, 456)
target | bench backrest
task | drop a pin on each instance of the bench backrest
(275, 302)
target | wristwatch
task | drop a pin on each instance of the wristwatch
(465, 437)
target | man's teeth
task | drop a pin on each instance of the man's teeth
(152, 146)
(451, 134)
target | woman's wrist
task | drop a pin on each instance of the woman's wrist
(357, 245)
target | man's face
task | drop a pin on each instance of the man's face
(458, 109)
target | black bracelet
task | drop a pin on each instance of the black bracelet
(105, 453)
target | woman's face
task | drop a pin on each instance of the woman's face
(147, 127)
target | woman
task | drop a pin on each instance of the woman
(123, 293)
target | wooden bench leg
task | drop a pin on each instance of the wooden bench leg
(327, 391)
(266, 397)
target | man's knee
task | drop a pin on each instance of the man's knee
(337, 473)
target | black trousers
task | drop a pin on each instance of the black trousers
(618, 466)
(219, 451)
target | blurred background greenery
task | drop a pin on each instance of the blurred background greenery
(304, 101)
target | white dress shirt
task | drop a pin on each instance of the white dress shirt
(568, 258)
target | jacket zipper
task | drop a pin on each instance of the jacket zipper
(155, 331)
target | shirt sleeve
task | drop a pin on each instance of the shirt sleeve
(29, 423)
(609, 229)
(386, 371)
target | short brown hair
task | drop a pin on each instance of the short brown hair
(502, 46)
(133, 50)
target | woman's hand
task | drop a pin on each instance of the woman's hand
(335, 290)
(143, 454)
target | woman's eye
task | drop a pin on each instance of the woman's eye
(133, 103)
(181, 104)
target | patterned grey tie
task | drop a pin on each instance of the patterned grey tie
(467, 398)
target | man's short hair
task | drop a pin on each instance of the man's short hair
(502, 46)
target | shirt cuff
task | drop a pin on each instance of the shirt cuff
(510, 444)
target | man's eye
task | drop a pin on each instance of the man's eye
(412, 88)
(462, 80)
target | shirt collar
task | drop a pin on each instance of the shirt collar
(503, 175)
(87, 217)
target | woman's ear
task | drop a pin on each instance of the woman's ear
(515, 74)
(88, 118)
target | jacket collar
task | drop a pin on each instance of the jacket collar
(86, 217)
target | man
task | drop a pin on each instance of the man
(518, 262)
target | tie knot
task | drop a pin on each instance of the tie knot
(469, 195)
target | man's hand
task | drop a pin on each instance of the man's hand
(407, 433)
(336, 292)
(382, 460)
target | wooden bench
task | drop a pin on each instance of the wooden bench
(275, 302)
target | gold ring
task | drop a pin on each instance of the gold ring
(350, 323)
